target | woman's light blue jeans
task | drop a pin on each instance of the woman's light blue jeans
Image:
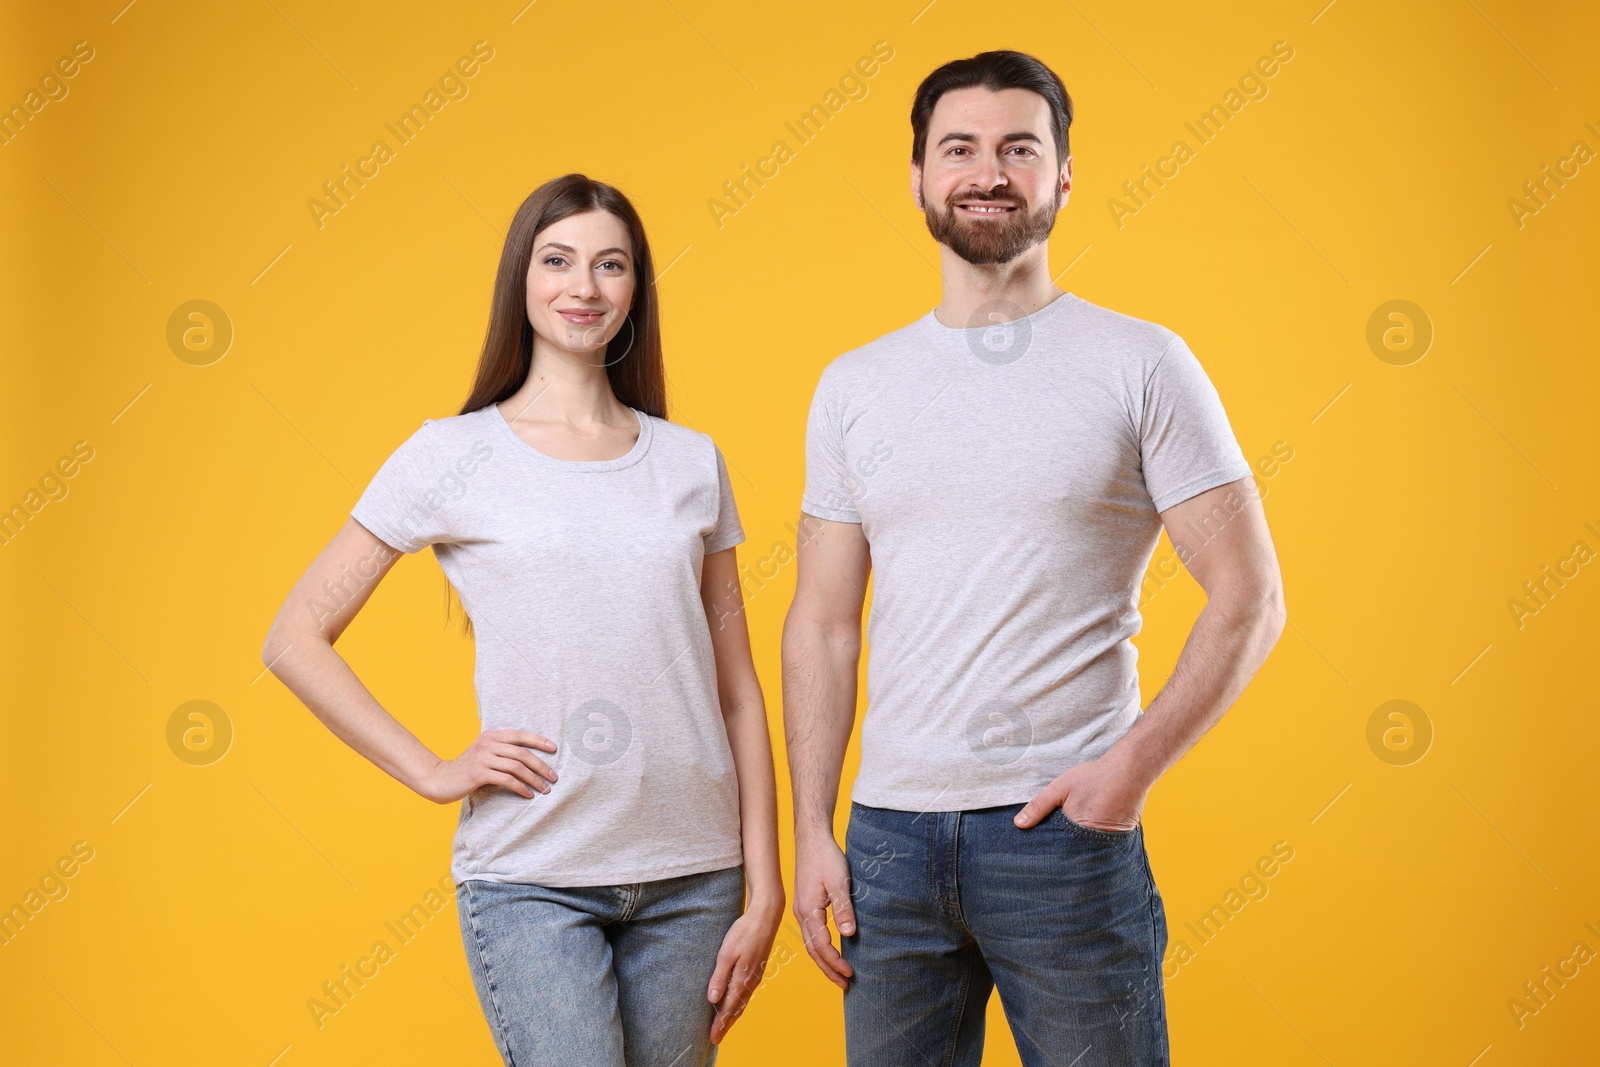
(599, 976)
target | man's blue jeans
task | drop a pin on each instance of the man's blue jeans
(1063, 919)
(599, 976)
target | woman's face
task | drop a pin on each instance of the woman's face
(581, 281)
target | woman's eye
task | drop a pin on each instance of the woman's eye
(614, 263)
(552, 260)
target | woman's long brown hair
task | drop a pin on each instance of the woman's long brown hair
(637, 378)
(633, 356)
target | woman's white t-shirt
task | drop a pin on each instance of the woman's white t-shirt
(582, 580)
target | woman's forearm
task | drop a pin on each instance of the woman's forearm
(751, 743)
(313, 671)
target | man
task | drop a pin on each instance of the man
(1004, 465)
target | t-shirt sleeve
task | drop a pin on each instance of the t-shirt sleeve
(827, 492)
(726, 532)
(1186, 444)
(404, 503)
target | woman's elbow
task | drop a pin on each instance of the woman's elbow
(282, 637)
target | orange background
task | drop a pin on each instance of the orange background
(1429, 880)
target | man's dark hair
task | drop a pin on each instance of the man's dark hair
(993, 71)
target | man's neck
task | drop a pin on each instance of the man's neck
(981, 295)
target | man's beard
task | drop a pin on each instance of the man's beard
(999, 241)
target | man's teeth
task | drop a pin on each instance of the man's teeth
(990, 210)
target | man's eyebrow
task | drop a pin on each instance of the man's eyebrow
(569, 248)
(1020, 135)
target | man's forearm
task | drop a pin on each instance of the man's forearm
(819, 710)
(1228, 644)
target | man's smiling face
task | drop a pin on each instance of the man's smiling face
(989, 184)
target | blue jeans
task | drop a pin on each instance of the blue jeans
(600, 976)
(1062, 918)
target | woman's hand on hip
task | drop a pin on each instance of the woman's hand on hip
(497, 757)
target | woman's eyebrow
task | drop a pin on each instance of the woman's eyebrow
(569, 248)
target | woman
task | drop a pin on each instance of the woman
(620, 799)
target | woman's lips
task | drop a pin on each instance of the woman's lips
(582, 318)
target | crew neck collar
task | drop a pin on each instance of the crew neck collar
(931, 322)
(582, 466)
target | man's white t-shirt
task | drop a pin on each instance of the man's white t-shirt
(582, 580)
(1008, 480)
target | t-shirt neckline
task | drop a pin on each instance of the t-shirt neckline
(586, 466)
(931, 322)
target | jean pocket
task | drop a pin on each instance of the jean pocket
(1066, 820)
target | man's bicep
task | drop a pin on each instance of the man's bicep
(833, 563)
(1221, 537)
